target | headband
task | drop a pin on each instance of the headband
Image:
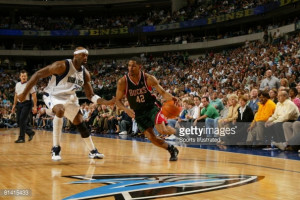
(81, 51)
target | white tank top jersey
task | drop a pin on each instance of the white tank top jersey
(68, 83)
(20, 88)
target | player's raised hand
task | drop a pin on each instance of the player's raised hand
(21, 97)
(176, 101)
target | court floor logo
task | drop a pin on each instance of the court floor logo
(150, 186)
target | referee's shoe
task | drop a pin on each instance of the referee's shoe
(20, 140)
(31, 135)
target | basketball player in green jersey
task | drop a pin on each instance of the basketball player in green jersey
(144, 108)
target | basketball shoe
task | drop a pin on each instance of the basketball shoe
(56, 153)
(94, 154)
(173, 152)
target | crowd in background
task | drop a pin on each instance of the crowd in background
(260, 65)
(201, 9)
(194, 10)
(176, 38)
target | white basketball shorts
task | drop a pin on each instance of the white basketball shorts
(70, 103)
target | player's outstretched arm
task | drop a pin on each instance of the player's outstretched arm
(90, 93)
(58, 68)
(121, 90)
(153, 82)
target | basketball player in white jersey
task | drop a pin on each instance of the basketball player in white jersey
(60, 97)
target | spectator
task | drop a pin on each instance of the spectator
(224, 112)
(96, 121)
(124, 121)
(273, 95)
(187, 111)
(293, 95)
(105, 113)
(193, 92)
(257, 128)
(216, 102)
(253, 103)
(269, 82)
(37, 119)
(9, 120)
(245, 116)
(285, 111)
(284, 83)
(112, 120)
(292, 135)
(92, 115)
(232, 112)
(86, 113)
(266, 36)
(291, 129)
(209, 115)
(298, 90)
(195, 111)
(208, 111)
(276, 37)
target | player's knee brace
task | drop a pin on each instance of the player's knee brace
(83, 130)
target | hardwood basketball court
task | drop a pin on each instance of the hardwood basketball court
(29, 166)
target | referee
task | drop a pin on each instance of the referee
(24, 108)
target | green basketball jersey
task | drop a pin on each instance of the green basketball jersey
(139, 95)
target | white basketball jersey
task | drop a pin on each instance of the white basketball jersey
(66, 84)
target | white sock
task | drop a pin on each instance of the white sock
(89, 143)
(57, 127)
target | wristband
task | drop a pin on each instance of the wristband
(95, 98)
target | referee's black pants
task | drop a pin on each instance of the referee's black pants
(23, 113)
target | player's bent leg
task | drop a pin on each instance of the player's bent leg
(59, 111)
(165, 130)
(86, 135)
(149, 133)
